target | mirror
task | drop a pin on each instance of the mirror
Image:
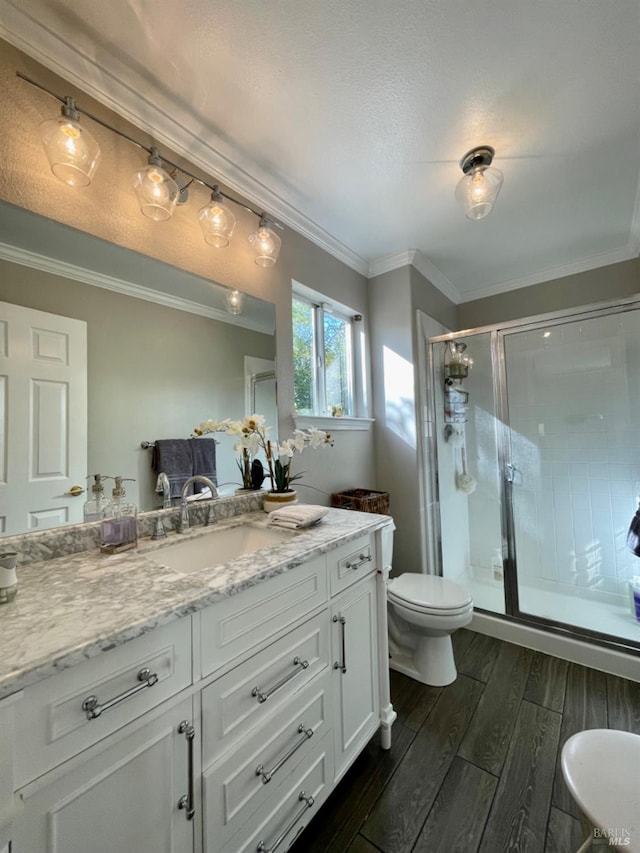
(162, 354)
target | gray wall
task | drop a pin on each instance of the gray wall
(613, 282)
(153, 372)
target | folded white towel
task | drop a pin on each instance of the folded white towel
(200, 496)
(300, 515)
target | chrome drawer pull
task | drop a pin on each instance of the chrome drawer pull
(308, 802)
(363, 558)
(268, 776)
(337, 665)
(186, 801)
(93, 708)
(264, 695)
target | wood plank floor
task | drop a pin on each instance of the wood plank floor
(475, 766)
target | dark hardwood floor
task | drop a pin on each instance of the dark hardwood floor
(475, 766)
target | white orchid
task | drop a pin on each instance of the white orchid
(252, 432)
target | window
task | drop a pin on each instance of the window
(323, 360)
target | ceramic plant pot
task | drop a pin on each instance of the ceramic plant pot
(276, 500)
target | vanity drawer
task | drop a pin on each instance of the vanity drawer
(51, 724)
(240, 622)
(351, 562)
(286, 814)
(244, 697)
(234, 788)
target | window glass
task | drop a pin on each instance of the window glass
(337, 362)
(303, 356)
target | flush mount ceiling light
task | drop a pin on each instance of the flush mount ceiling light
(235, 302)
(478, 190)
(217, 221)
(72, 151)
(73, 154)
(266, 243)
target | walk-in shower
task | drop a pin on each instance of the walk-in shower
(536, 469)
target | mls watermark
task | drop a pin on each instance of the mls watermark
(612, 836)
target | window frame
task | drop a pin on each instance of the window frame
(321, 416)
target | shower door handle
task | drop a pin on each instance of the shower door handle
(512, 475)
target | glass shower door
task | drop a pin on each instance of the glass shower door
(572, 468)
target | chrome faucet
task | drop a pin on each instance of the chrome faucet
(183, 523)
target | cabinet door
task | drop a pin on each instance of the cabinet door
(120, 796)
(355, 665)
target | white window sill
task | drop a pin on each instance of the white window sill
(329, 424)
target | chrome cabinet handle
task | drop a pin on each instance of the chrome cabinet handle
(263, 695)
(186, 801)
(268, 775)
(308, 802)
(93, 708)
(362, 559)
(337, 665)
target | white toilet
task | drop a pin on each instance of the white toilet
(423, 612)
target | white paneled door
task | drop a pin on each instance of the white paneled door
(43, 418)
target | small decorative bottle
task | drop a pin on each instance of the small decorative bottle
(119, 525)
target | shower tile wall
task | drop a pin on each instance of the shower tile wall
(574, 397)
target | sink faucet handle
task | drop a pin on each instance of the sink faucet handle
(183, 523)
(211, 515)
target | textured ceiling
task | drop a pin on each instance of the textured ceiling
(347, 119)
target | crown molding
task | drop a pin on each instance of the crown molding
(415, 258)
(603, 259)
(438, 279)
(18, 255)
(173, 129)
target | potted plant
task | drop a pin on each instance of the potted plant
(253, 435)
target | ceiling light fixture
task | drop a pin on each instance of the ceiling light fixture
(478, 190)
(266, 243)
(217, 220)
(73, 154)
(72, 151)
(156, 190)
(235, 302)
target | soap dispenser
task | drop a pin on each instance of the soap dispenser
(119, 524)
(93, 509)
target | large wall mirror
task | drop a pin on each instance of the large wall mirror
(161, 353)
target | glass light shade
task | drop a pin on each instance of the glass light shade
(235, 302)
(478, 190)
(217, 222)
(157, 192)
(266, 244)
(72, 151)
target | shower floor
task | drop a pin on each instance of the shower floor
(611, 616)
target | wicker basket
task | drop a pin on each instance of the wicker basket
(363, 500)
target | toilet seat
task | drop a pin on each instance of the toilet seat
(429, 594)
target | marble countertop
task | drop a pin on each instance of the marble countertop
(74, 607)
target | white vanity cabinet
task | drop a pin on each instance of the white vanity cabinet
(220, 732)
(122, 795)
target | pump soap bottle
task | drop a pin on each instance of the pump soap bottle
(93, 509)
(119, 524)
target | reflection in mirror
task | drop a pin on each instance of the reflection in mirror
(162, 353)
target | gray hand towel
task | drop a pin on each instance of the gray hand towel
(203, 451)
(173, 457)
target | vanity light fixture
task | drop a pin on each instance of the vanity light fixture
(266, 243)
(478, 189)
(156, 190)
(72, 151)
(73, 154)
(235, 302)
(217, 220)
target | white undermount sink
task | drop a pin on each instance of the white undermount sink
(217, 546)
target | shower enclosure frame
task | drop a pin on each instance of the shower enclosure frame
(498, 332)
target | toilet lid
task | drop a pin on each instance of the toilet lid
(429, 591)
